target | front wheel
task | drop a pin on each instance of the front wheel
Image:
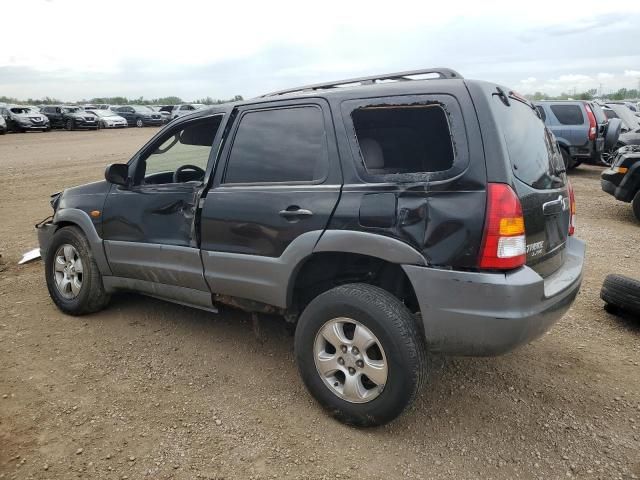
(69, 125)
(139, 123)
(360, 353)
(73, 279)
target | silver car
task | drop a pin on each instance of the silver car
(109, 119)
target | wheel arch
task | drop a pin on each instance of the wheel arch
(75, 217)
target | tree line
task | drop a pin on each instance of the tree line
(171, 100)
(621, 94)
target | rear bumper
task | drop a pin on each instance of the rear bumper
(483, 314)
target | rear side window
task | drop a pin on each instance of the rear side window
(535, 159)
(542, 113)
(568, 114)
(286, 145)
(403, 139)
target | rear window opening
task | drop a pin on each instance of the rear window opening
(403, 139)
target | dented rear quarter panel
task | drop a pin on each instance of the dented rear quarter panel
(440, 214)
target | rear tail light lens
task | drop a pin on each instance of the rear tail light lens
(593, 126)
(572, 208)
(504, 242)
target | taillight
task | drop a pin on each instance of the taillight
(593, 126)
(572, 209)
(504, 243)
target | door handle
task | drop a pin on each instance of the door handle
(295, 213)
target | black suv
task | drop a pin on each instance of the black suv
(70, 117)
(622, 179)
(385, 216)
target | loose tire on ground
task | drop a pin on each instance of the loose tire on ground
(91, 296)
(621, 293)
(401, 340)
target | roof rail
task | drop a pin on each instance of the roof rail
(398, 76)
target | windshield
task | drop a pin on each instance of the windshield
(19, 110)
(628, 118)
(71, 109)
(142, 108)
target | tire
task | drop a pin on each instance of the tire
(69, 125)
(635, 205)
(569, 163)
(620, 292)
(91, 296)
(139, 123)
(403, 353)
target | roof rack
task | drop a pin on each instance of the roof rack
(444, 73)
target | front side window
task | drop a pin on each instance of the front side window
(568, 114)
(180, 155)
(286, 145)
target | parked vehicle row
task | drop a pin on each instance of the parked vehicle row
(22, 118)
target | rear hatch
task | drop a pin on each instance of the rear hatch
(540, 181)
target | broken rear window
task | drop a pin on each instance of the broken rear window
(403, 139)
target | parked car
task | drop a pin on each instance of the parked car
(185, 109)
(139, 115)
(3, 125)
(580, 127)
(21, 119)
(622, 179)
(385, 218)
(109, 119)
(162, 110)
(70, 117)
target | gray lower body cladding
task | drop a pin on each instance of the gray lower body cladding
(483, 314)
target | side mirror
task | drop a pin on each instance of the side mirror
(117, 173)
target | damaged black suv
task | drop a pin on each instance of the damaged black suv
(386, 217)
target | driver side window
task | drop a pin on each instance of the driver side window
(180, 155)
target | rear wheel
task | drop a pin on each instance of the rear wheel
(569, 163)
(360, 353)
(73, 279)
(139, 123)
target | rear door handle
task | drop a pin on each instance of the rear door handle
(294, 213)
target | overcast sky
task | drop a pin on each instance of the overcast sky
(81, 49)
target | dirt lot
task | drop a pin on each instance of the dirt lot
(147, 389)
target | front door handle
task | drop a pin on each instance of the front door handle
(295, 213)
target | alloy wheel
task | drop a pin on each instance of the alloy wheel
(350, 360)
(68, 271)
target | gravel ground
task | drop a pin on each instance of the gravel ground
(147, 389)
